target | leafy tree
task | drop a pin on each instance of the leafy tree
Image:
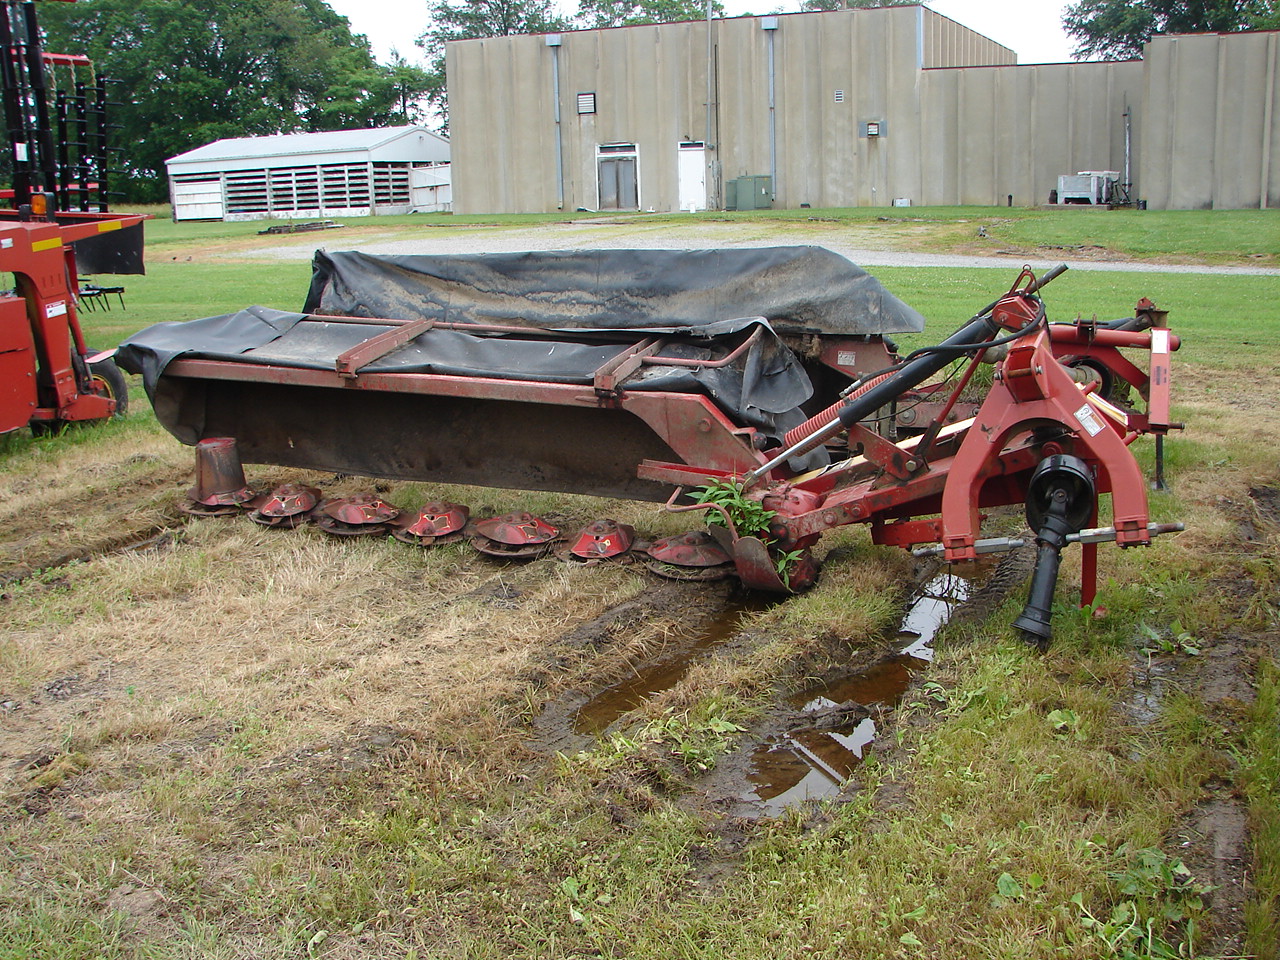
(477, 19)
(1117, 29)
(411, 87)
(595, 14)
(194, 71)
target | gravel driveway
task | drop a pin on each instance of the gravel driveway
(638, 234)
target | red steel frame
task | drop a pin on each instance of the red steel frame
(924, 490)
(1035, 409)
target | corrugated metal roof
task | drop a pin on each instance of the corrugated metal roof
(292, 144)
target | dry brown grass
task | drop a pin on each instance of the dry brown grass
(55, 507)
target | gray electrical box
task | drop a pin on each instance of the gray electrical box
(749, 193)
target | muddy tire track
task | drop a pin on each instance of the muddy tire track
(661, 626)
(1213, 838)
(123, 512)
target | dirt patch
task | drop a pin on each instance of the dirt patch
(1222, 675)
(59, 506)
(1261, 517)
(138, 903)
(1213, 842)
(352, 752)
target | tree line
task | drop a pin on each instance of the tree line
(194, 71)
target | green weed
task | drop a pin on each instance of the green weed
(1160, 902)
(748, 516)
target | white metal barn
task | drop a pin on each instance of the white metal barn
(347, 173)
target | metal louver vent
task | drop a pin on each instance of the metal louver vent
(839, 96)
(586, 103)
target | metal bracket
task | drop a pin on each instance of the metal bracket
(362, 354)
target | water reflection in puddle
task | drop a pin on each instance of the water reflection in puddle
(929, 611)
(595, 716)
(814, 762)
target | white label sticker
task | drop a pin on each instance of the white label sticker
(1091, 422)
(6, 243)
(1159, 341)
(20, 152)
(56, 309)
(846, 358)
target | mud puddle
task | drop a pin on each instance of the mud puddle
(607, 706)
(836, 719)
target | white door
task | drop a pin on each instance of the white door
(691, 171)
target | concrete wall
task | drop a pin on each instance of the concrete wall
(650, 85)
(958, 122)
(1218, 145)
(504, 159)
(988, 133)
(833, 74)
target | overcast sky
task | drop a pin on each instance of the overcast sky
(1031, 27)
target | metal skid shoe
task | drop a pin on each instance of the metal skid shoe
(758, 570)
(760, 562)
(220, 489)
(1061, 497)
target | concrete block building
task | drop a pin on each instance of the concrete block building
(850, 108)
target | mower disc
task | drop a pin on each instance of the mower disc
(689, 556)
(219, 504)
(286, 506)
(601, 540)
(436, 524)
(514, 536)
(363, 515)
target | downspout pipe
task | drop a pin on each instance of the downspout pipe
(1128, 153)
(1268, 120)
(770, 26)
(553, 41)
(713, 194)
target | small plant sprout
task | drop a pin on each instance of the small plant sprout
(1177, 640)
(1065, 723)
(749, 517)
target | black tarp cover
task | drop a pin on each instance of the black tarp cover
(797, 289)
(764, 388)
(704, 301)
